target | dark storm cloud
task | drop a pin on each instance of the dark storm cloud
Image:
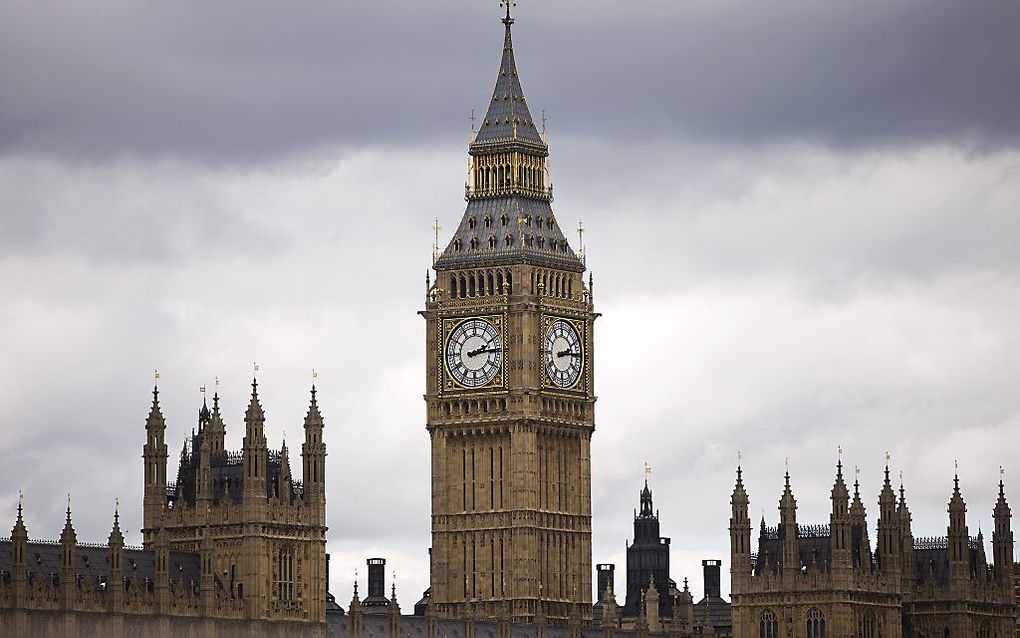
(247, 81)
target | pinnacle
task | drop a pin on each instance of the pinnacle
(254, 412)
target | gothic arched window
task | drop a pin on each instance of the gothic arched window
(815, 624)
(285, 574)
(769, 626)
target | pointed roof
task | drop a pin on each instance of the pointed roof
(840, 494)
(739, 493)
(313, 417)
(20, 533)
(887, 496)
(513, 227)
(204, 416)
(254, 413)
(155, 417)
(116, 537)
(508, 118)
(216, 419)
(1001, 506)
(787, 503)
(956, 503)
(68, 535)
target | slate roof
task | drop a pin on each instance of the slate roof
(713, 611)
(92, 563)
(543, 244)
(508, 116)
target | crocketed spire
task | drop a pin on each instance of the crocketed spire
(19, 532)
(155, 412)
(254, 413)
(508, 117)
(840, 494)
(313, 416)
(67, 536)
(116, 537)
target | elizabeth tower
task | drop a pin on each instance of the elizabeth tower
(510, 386)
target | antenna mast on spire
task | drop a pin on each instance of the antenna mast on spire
(436, 228)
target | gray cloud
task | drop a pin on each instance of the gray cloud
(249, 82)
(780, 300)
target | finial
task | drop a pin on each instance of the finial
(21, 501)
(544, 121)
(68, 507)
(436, 227)
(216, 386)
(580, 231)
(315, 376)
(508, 20)
(472, 120)
(155, 375)
(201, 389)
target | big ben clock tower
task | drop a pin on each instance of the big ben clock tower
(509, 379)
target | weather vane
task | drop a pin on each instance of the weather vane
(508, 4)
(648, 470)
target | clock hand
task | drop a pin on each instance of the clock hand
(563, 353)
(484, 348)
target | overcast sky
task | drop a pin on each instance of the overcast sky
(802, 222)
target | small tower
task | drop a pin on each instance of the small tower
(154, 453)
(788, 532)
(204, 488)
(19, 550)
(740, 537)
(256, 454)
(651, 610)
(255, 495)
(68, 545)
(1002, 541)
(860, 547)
(907, 574)
(115, 581)
(313, 457)
(839, 526)
(888, 532)
(647, 558)
(958, 536)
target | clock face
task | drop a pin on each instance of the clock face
(563, 354)
(474, 353)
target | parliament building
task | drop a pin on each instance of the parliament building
(236, 545)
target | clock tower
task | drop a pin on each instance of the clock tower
(510, 401)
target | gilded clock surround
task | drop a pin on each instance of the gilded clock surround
(450, 383)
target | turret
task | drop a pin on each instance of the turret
(204, 489)
(740, 536)
(888, 530)
(313, 457)
(839, 525)
(19, 550)
(651, 611)
(788, 531)
(907, 574)
(1002, 540)
(216, 431)
(284, 486)
(114, 583)
(958, 536)
(68, 545)
(609, 611)
(256, 456)
(154, 454)
(860, 547)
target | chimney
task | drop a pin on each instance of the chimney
(606, 573)
(712, 587)
(377, 578)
